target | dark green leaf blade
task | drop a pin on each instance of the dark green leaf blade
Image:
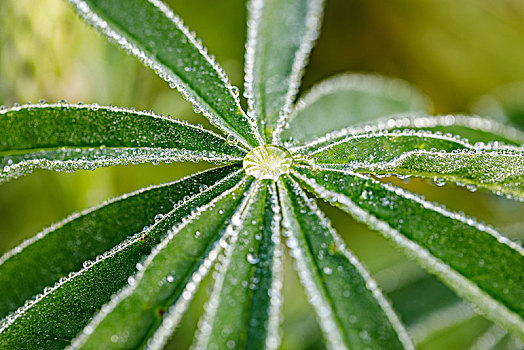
(53, 318)
(349, 99)
(429, 155)
(351, 309)
(243, 310)
(66, 245)
(472, 128)
(150, 31)
(477, 262)
(381, 147)
(501, 172)
(151, 306)
(70, 137)
(426, 306)
(281, 34)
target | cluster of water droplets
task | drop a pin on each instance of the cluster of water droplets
(70, 159)
(416, 121)
(134, 281)
(463, 286)
(333, 244)
(171, 77)
(309, 36)
(88, 265)
(494, 165)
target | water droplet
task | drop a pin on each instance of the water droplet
(252, 259)
(268, 162)
(235, 90)
(439, 182)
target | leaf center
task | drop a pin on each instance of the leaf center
(268, 162)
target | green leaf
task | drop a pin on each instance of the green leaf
(71, 137)
(66, 245)
(150, 31)
(489, 339)
(381, 147)
(350, 306)
(420, 298)
(470, 257)
(349, 99)
(501, 172)
(431, 156)
(474, 129)
(470, 128)
(160, 292)
(53, 318)
(426, 307)
(496, 338)
(281, 34)
(243, 310)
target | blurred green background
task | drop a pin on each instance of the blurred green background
(454, 51)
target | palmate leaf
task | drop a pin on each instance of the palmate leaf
(350, 99)
(351, 309)
(244, 308)
(54, 317)
(147, 311)
(71, 137)
(428, 155)
(225, 210)
(469, 257)
(149, 30)
(281, 34)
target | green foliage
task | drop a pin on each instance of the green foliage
(121, 275)
(71, 137)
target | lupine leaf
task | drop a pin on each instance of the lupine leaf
(420, 298)
(380, 147)
(62, 248)
(71, 137)
(243, 310)
(281, 34)
(470, 257)
(430, 156)
(167, 279)
(150, 31)
(501, 172)
(349, 99)
(490, 338)
(496, 338)
(426, 307)
(350, 307)
(54, 317)
(471, 128)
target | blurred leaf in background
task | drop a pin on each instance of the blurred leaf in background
(454, 51)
